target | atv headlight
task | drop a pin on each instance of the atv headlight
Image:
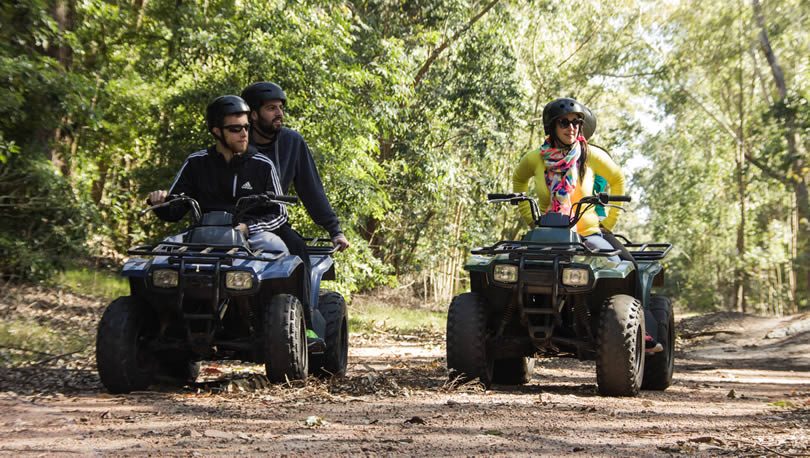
(575, 277)
(239, 279)
(164, 278)
(506, 273)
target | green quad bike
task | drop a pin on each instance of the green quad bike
(550, 294)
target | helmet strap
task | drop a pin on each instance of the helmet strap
(219, 138)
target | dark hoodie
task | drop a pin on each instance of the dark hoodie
(218, 185)
(296, 166)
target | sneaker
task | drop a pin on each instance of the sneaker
(651, 346)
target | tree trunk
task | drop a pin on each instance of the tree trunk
(739, 269)
(797, 157)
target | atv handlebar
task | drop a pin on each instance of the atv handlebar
(267, 197)
(498, 197)
(577, 210)
(242, 205)
(174, 199)
(615, 198)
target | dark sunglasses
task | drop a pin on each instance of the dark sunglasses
(565, 123)
(236, 128)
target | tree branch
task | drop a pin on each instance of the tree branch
(446, 43)
(631, 75)
(776, 69)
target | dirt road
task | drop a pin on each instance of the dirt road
(742, 387)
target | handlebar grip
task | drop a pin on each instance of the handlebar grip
(288, 199)
(251, 198)
(496, 196)
(619, 199)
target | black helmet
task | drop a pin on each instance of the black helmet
(563, 106)
(223, 106)
(258, 93)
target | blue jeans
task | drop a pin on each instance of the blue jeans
(268, 242)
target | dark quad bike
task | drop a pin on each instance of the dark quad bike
(207, 295)
(552, 295)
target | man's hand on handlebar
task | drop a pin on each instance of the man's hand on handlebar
(157, 197)
(340, 242)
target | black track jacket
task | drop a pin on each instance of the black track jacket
(295, 164)
(217, 185)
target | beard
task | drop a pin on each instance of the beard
(237, 147)
(270, 127)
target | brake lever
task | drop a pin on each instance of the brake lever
(148, 209)
(615, 206)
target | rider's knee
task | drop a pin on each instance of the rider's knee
(268, 242)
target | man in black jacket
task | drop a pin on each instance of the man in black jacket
(290, 153)
(226, 171)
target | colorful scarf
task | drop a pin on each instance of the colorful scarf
(562, 172)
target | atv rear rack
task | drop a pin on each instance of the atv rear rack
(647, 251)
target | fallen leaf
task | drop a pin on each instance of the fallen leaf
(731, 394)
(415, 421)
(190, 433)
(314, 421)
(707, 440)
(217, 434)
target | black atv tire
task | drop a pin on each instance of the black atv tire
(335, 360)
(658, 367)
(177, 370)
(620, 347)
(284, 339)
(467, 332)
(513, 371)
(124, 364)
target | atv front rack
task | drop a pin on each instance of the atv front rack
(541, 250)
(549, 250)
(203, 252)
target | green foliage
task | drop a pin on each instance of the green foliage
(26, 341)
(414, 111)
(41, 223)
(93, 282)
(370, 317)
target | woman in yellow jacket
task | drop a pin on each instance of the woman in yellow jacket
(564, 167)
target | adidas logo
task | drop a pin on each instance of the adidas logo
(247, 186)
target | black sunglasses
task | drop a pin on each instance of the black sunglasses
(565, 123)
(236, 128)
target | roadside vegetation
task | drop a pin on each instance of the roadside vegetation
(414, 111)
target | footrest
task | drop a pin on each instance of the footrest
(316, 345)
(530, 311)
(198, 316)
(540, 332)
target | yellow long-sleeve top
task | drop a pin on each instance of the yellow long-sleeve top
(598, 162)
